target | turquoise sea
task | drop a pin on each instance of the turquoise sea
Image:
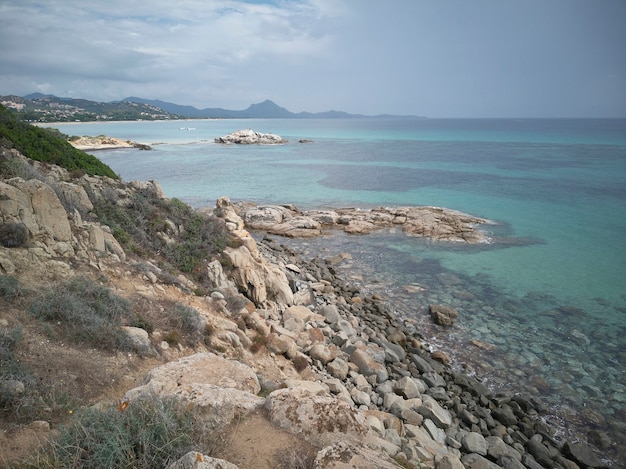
(547, 298)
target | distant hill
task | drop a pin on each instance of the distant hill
(265, 110)
(37, 107)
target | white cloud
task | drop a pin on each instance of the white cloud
(405, 56)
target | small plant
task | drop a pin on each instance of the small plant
(23, 397)
(9, 287)
(173, 338)
(13, 235)
(258, 343)
(86, 313)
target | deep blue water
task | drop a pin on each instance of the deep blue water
(549, 293)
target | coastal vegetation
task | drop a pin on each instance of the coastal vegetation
(48, 146)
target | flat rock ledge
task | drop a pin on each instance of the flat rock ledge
(437, 223)
(250, 137)
(102, 142)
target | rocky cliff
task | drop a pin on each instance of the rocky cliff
(292, 360)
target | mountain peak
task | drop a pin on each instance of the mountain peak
(268, 108)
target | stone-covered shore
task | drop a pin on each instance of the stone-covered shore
(362, 355)
(289, 343)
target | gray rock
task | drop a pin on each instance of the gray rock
(408, 388)
(139, 339)
(433, 380)
(539, 451)
(360, 397)
(411, 417)
(323, 353)
(330, 313)
(338, 368)
(582, 454)
(497, 449)
(422, 365)
(529, 462)
(438, 393)
(343, 326)
(343, 455)
(476, 461)
(432, 410)
(505, 415)
(250, 137)
(368, 366)
(393, 352)
(435, 432)
(509, 462)
(474, 443)
(321, 420)
(450, 462)
(361, 383)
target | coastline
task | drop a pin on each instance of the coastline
(534, 418)
(506, 417)
(366, 377)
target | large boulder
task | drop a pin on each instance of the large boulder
(321, 420)
(258, 279)
(37, 206)
(221, 389)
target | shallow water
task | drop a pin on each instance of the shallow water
(549, 293)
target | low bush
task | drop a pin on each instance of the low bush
(145, 433)
(9, 287)
(187, 325)
(13, 235)
(139, 227)
(23, 396)
(86, 312)
(48, 146)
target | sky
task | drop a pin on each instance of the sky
(435, 58)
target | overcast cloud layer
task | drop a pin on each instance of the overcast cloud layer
(439, 58)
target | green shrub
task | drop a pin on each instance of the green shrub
(48, 146)
(24, 397)
(145, 433)
(13, 235)
(186, 324)
(138, 227)
(9, 287)
(86, 313)
(188, 319)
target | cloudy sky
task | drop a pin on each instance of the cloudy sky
(439, 58)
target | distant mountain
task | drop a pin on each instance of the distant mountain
(48, 108)
(265, 110)
(38, 107)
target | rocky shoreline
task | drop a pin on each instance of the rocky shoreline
(437, 223)
(379, 364)
(306, 352)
